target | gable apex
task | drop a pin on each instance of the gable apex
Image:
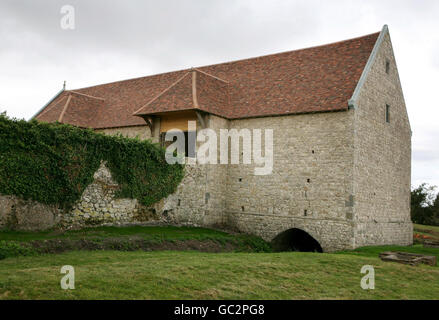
(352, 103)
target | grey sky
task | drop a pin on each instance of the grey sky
(115, 40)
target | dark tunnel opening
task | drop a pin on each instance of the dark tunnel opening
(295, 240)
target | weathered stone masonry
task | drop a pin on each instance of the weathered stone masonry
(97, 206)
(311, 183)
(382, 157)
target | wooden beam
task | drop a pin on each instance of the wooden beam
(61, 116)
(202, 117)
(194, 89)
(86, 95)
(150, 123)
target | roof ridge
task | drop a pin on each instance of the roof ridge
(225, 88)
(85, 95)
(290, 51)
(232, 61)
(210, 75)
(161, 93)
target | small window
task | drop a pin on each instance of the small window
(189, 146)
(162, 141)
(387, 66)
(387, 113)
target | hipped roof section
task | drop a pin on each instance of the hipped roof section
(73, 108)
(195, 90)
(316, 79)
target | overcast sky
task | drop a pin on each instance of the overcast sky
(116, 40)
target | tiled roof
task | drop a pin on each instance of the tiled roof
(316, 79)
(74, 108)
(194, 90)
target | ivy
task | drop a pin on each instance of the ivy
(53, 163)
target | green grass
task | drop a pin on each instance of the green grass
(196, 275)
(425, 228)
(376, 250)
(431, 231)
(14, 243)
(423, 232)
(145, 232)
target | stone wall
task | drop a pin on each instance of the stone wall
(382, 154)
(310, 187)
(312, 171)
(27, 215)
(201, 196)
(141, 132)
(359, 170)
(98, 205)
(216, 183)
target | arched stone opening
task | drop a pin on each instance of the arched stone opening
(296, 240)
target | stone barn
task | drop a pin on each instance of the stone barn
(341, 141)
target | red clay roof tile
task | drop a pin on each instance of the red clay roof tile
(316, 79)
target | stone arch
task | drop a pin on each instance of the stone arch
(295, 239)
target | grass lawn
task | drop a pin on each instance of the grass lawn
(130, 238)
(196, 275)
(376, 250)
(158, 233)
(201, 275)
(421, 227)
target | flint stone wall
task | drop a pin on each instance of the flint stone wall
(99, 206)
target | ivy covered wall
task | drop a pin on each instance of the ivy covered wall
(53, 163)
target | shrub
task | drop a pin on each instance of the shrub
(14, 249)
(254, 244)
(425, 205)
